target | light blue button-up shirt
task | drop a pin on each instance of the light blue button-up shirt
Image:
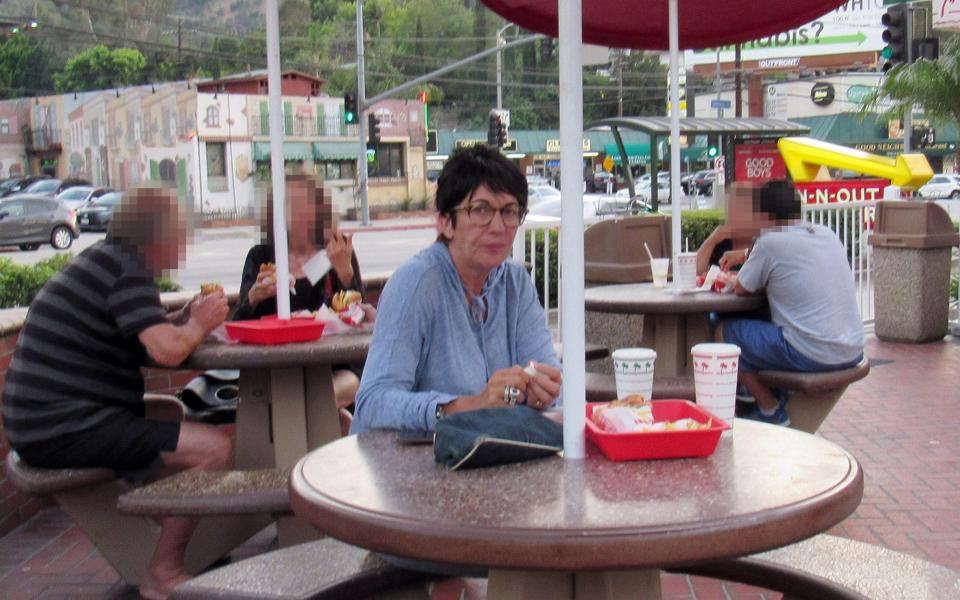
(430, 347)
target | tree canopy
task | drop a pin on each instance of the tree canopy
(26, 67)
(100, 68)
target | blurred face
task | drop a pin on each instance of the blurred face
(170, 250)
(301, 213)
(477, 249)
(740, 214)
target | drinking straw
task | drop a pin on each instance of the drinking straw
(650, 254)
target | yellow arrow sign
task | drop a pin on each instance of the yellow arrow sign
(804, 157)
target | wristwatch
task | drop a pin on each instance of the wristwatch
(441, 410)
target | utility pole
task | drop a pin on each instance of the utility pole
(908, 114)
(738, 81)
(500, 44)
(361, 120)
(620, 82)
(716, 85)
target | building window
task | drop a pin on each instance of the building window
(336, 169)
(5, 126)
(213, 116)
(216, 166)
(389, 161)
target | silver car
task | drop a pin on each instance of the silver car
(77, 196)
(28, 221)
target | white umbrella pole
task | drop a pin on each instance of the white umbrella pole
(571, 224)
(275, 102)
(674, 133)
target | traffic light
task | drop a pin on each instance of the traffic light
(713, 146)
(373, 123)
(894, 35)
(349, 108)
(501, 133)
(493, 130)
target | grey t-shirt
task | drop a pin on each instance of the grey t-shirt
(810, 291)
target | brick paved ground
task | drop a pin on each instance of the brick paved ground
(901, 422)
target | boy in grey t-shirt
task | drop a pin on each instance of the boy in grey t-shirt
(802, 268)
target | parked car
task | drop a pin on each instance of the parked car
(77, 196)
(600, 179)
(28, 221)
(538, 193)
(537, 180)
(97, 214)
(685, 183)
(42, 187)
(703, 181)
(548, 211)
(643, 191)
(13, 186)
(941, 186)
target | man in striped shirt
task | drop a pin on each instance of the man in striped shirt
(73, 396)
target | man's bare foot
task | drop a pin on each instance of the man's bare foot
(153, 588)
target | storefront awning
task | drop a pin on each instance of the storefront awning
(637, 153)
(335, 150)
(291, 151)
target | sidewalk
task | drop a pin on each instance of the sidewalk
(901, 423)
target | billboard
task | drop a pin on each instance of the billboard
(853, 27)
(758, 162)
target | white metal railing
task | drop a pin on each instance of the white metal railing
(852, 222)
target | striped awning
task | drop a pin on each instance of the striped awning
(335, 150)
(291, 151)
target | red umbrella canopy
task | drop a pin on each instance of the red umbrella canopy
(643, 23)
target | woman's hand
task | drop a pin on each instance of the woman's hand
(369, 313)
(493, 394)
(733, 258)
(264, 287)
(543, 387)
(340, 252)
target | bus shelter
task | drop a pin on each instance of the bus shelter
(659, 127)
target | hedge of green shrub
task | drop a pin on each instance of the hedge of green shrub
(20, 283)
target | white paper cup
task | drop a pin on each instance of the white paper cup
(659, 267)
(715, 378)
(686, 276)
(633, 370)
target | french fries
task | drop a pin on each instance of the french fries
(210, 288)
(343, 299)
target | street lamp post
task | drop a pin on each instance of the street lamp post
(500, 43)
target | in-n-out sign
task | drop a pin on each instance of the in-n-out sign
(827, 192)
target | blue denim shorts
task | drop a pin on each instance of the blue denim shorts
(763, 348)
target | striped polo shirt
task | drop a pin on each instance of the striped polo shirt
(78, 359)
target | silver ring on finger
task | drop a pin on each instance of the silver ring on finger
(510, 395)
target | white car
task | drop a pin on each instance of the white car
(79, 195)
(941, 186)
(538, 193)
(643, 191)
(547, 212)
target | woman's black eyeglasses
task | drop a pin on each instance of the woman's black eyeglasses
(481, 214)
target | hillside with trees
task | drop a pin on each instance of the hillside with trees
(91, 44)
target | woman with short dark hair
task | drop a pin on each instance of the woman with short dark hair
(459, 322)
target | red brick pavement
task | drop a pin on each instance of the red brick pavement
(901, 422)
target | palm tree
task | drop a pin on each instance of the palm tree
(928, 85)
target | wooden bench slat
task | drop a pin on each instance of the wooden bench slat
(325, 568)
(210, 493)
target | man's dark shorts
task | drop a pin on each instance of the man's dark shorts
(763, 348)
(129, 444)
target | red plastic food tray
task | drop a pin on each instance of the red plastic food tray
(659, 444)
(275, 331)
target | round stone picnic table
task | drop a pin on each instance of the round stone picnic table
(673, 323)
(592, 528)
